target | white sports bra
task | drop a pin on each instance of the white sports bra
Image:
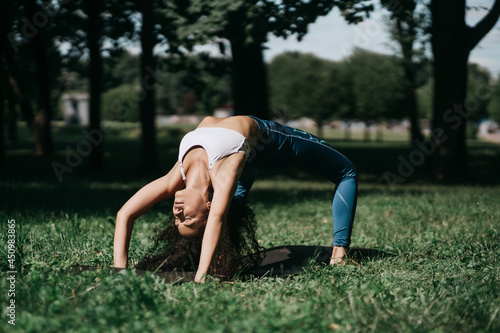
(218, 142)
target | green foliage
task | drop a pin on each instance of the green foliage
(193, 84)
(377, 84)
(409, 25)
(424, 98)
(494, 106)
(120, 69)
(478, 92)
(206, 80)
(304, 85)
(115, 26)
(216, 94)
(19, 42)
(366, 86)
(121, 103)
(251, 20)
(480, 95)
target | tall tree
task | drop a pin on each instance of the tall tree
(24, 24)
(92, 28)
(452, 42)
(155, 29)
(94, 32)
(249, 74)
(147, 102)
(407, 26)
(43, 118)
(2, 103)
(11, 115)
(3, 29)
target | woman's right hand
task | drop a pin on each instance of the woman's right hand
(160, 189)
(123, 231)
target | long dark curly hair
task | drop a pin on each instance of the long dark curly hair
(238, 247)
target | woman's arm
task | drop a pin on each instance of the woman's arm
(160, 189)
(224, 184)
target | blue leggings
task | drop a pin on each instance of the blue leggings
(279, 147)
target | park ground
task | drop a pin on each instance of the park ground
(445, 277)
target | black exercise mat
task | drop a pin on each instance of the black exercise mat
(291, 259)
(280, 261)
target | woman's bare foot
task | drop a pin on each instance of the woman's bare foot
(339, 255)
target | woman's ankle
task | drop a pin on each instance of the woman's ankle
(339, 254)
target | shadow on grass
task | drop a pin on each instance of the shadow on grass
(288, 260)
(280, 261)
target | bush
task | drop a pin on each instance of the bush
(121, 103)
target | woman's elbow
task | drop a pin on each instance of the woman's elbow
(123, 215)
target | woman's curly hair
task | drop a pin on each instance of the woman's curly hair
(238, 247)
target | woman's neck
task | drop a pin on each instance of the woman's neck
(197, 175)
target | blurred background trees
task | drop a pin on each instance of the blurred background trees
(246, 24)
(494, 105)
(139, 59)
(302, 85)
(408, 25)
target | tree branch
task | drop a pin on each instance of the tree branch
(477, 33)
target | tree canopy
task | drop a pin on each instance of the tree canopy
(305, 85)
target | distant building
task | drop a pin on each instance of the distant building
(76, 109)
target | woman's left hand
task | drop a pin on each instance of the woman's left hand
(199, 278)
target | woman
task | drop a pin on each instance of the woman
(217, 162)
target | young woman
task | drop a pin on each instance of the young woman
(217, 162)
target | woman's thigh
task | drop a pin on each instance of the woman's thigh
(315, 156)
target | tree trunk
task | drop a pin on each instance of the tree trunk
(3, 29)
(452, 41)
(9, 68)
(416, 133)
(2, 100)
(379, 135)
(44, 146)
(449, 161)
(319, 128)
(12, 120)
(249, 79)
(149, 161)
(347, 131)
(406, 34)
(94, 42)
(366, 134)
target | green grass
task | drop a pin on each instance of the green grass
(445, 277)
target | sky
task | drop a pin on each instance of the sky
(330, 37)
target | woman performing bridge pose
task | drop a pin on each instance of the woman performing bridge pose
(216, 168)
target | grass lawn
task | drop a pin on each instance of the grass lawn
(445, 277)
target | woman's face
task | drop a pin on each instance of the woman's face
(191, 212)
